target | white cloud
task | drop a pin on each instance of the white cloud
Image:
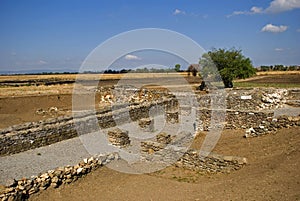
(178, 12)
(277, 6)
(298, 30)
(278, 49)
(274, 29)
(132, 57)
(42, 62)
(253, 10)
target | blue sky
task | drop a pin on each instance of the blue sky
(58, 35)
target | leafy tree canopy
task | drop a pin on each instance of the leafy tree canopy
(230, 64)
(177, 67)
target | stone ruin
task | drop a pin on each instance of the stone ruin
(146, 124)
(23, 188)
(253, 110)
(162, 140)
(118, 137)
(130, 94)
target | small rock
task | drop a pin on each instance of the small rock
(79, 170)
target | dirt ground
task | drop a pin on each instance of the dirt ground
(271, 174)
(21, 104)
(274, 77)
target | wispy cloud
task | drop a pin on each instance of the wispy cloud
(42, 62)
(274, 29)
(132, 57)
(178, 12)
(276, 6)
(278, 49)
(190, 14)
(298, 30)
(253, 10)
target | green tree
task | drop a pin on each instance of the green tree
(230, 64)
(177, 67)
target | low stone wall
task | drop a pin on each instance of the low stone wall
(252, 99)
(234, 119)
(32, 135)
(213, 163)
(23, 188)
(271, 126)
(245, 108)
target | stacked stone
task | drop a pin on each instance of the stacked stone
(32, 135)
(163, 138)
(172, 117)
(118, 137)
(151, 147)
(130, 94)
(213, 163)
(146, 124)
(267, 127)
(23, 188)
(274, 99)
(244, 119)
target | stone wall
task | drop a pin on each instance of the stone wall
(213, 163)
(271, 126)
(31, 135)
(23, 188)
(249, 109)
(245, 108)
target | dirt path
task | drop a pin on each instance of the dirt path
(272, 174)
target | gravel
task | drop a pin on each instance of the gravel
(35, 161)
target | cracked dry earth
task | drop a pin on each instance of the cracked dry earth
(271, 174)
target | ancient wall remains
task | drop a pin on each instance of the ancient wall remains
(31, 135)
(23, 188)
(245, 109)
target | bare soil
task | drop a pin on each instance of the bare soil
(274, 78)
(20, 104)
(271, 174)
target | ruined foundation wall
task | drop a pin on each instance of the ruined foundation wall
(31, 135)
(245, 109)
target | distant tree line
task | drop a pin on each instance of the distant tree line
(139, 70)
(278, 68)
